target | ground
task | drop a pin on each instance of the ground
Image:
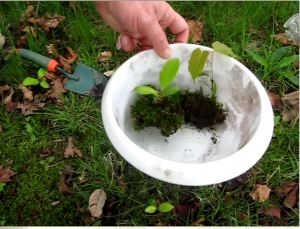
(33, 146)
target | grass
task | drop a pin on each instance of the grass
(27, 200)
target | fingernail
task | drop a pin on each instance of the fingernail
(118, 43)
(167, 53)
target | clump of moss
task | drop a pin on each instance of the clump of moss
(169, 113)
(165, 113)
(202, 111)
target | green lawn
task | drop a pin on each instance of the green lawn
(27, 200)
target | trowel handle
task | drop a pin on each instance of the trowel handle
(43, 61)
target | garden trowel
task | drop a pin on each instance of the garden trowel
(84, 80)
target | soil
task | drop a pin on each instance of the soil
(171, 112)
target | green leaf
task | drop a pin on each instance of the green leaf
(168, 72)
(287, 61)
(152, 202)
(150, 209)
(29, 81)
(41, 73)
(2, 187)
(165, 207)
(279, 53)
(145, 90)
(197, 62)
(44, 84)
(259, 59)
(222, 48)
(294, 80)
(29, 128)
(50, 159)
(170, 90)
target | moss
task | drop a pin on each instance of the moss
(165, 114)
(169, 113)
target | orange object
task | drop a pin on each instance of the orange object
(52, 65)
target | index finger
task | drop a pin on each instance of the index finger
(179, 28)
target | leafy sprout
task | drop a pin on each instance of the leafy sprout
(197, 62)
(30, 81)
(167, 75)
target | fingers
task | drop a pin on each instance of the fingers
(179, 28)
(154, 33)
(127, 43)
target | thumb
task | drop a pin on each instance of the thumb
(154, 32)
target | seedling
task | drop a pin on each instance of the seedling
(167, 75)
(46, 162)
(276, 63)
(163, 207)
(30, 81)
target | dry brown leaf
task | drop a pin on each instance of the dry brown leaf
(52, 49)
(96, 203)
(10, 105)
(65, 178)
(275, 100)
(290, 110)
(6, 174)
(57, 89)
(285, 188)
(160, 223)
(22, 41)
(270, 211)
(109, 73)
(71, 150)
(260, 193)
(28, 107)
(292, 198)
(3, 89)
(196, 29)
(29, 30)
(46, 153)
(65, 62)
(29, 11)
(283, 39)
(49, 23)
(104, 56)
(54, 203)
(27, 94)
(2, 40)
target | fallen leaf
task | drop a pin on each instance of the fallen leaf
(275, 101)
(54, 203)
(22, 41)
(198, 222)
(65, 62)
(196, 29)
(2, 40)
(10, 105)
(52, 49)
(109, 73)
(104, 56)
(260, 193)
(285, 188)
(290, 110)
(270, 211)
(65, 178)
(29, 30)
(6, 174)
(283, 39)
(292, 198)
(49, 23)
(29, 11)
(46, 153)
(28, 107)
(96, 203)
(71, 150)
(26, 92)
(3, 89)
(57, 89)
(160, 223)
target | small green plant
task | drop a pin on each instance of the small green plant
(163, 207)
(276, 64)
(30, 81)
(30, 130)
(2, 185)
(46, 162)
(167, 75)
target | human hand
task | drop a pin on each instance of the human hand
(143, 23)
